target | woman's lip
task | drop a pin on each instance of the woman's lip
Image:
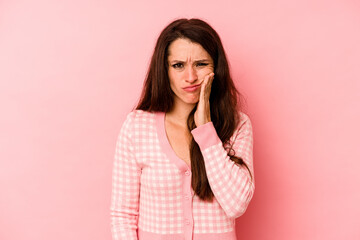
(193, 88)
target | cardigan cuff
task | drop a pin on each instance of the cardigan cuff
(205, 135)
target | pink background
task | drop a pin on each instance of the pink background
(71, 70)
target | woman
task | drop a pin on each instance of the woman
(183, 165)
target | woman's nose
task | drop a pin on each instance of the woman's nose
(191, 75)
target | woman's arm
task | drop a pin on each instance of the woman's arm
(230, 183)
(125, 186)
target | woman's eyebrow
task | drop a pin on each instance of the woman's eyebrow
(180, 61)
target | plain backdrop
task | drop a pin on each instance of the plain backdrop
(70, 71)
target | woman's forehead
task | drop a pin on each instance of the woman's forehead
(185, 50)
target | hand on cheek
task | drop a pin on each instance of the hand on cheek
(202, 114)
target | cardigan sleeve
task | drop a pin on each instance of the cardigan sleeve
(231, 183)
(125, 186)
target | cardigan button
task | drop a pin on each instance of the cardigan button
(187, 173)
(186, 197)
(187, 222)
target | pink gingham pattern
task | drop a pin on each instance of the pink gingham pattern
(152, 196)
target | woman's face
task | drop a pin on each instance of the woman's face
(188, 63)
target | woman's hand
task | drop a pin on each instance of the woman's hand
(202, 114)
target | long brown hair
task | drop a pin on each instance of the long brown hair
(225, 100)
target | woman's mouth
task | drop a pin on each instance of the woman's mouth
(192, 88)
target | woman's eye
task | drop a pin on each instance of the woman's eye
(180, 65)
(177, 65)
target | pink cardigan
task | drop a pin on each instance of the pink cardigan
(152, 198)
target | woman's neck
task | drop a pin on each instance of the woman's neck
(179, 113)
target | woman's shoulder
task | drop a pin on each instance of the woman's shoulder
(141, 113)
(244, 118)
(138, 115)
(244, 125)
(138, 119)
(242, 128)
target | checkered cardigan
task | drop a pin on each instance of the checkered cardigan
(152, 196)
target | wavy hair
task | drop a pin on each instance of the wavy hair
(225, 100)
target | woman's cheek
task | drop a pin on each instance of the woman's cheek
(205, 72)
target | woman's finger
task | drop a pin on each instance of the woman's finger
(208, 83)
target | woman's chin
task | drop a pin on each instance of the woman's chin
(189, 99)
(192, 100)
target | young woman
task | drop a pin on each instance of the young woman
(183, 166)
